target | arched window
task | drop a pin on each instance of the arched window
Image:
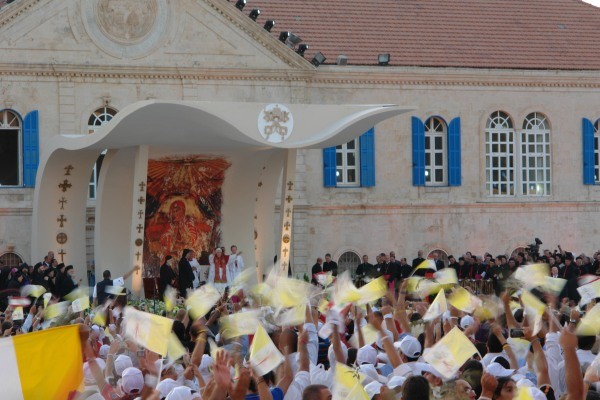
(441, 255)
(10, 259)
(435, 152)
(10, 149)
(535, 155)
(348, 262)
(500, 155)
(100, 117)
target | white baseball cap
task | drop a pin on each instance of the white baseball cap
(182, 393)
(498, 370)
(132, 381)
(466, 321)
(122, 362)
(165, 386)
(409, 346)
(373, 388)
(366, 354)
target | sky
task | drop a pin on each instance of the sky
(594, 2)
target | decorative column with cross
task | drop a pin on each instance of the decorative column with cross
(138, 209)
(287, 209)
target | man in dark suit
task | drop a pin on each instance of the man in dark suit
(363, 270)
(418, 260)
(330, 265)
(186, 274)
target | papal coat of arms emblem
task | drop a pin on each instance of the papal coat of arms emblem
(126, 21)
(275, 123)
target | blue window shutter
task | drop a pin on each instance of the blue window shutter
(588, 152)
(31, 148)
(418, 151)
(454, 170)
(367, 158)
(329, 178)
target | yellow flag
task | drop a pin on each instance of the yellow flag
(293, 316)
(426, 264)
(358, 393)
(243, 281)
(463, 300)
(56, 310)
(489, 309)
(554, 285)
(532, 275)
(170, 298)
(201, 300)
(446, 276)
(450, 353)
(81, 304)
(589, 325)
(370, 336)
(239, 324)
(344, 380)
(264, 356)
(148, 330)
(175, 349)
(372, 291)
(437, 307)
(82, 291)
(344, 291)
(32, 290)
(422, 287)
(534, 309)
(46, 297)
(99, 316)
(290, 292)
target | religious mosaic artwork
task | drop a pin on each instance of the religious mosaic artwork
(183, 207)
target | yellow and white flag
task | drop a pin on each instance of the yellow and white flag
(292, 317)
(99, 316)
(463, 300)
(532, 275)
(553, 285)
(202, 300)
(589, 325)
(534, 309)
(358, 393)
(45, 364)
(525, 393)
(81, 304)
(175, 349)
(370, 336)
(290, 292)
(57, 309)
(344, 291)
(239, 324)
(345, 380)
(426, 264)
(490, 308)
(437, 307)
(18, 313)
(32, 290)
(170, 298)
(264, 355)
(148, 330)
(46, 297)
(372, 291)
(450, 353)
(446, 276)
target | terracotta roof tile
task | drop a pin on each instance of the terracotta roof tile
(528, 34)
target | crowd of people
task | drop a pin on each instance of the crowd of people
(353, 341)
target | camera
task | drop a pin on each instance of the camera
(533, 250)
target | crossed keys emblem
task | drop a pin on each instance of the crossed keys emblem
(275, 123)
(276, 117)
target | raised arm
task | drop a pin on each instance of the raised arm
(573, 377)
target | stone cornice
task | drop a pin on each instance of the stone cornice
(13, 11)
(335, 77)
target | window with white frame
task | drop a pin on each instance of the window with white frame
(99, 118)
(499, 155)
(347, 164)
(10, 149)
(597, 151)
(435, 152)
(535, 156)
(518, 164)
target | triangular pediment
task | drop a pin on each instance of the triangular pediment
(183, 34)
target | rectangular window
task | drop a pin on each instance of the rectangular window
(347, 164)
(499, 163)
(535, 163)
(9, 157)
